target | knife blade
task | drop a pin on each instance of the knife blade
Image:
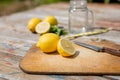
(99, 49)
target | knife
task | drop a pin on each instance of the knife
(99, 49)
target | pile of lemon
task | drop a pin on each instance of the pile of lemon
(50, 42)
(41, 26)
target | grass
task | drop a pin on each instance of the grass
(11, 6)
(107, 1)
(49, 1)
(6, 2)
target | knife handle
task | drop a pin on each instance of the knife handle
(112, 51)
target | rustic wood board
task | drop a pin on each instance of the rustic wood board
(85, 61)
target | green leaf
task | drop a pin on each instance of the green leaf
(63, 32)
(53, 29)
(58, 30)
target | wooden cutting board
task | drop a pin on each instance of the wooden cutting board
(85, 61)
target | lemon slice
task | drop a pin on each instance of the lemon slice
(65, 48)
(42, 27)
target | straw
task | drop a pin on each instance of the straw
(88, 33)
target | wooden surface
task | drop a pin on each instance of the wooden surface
(15, 38)
(85, 61)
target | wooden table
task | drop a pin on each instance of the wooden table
(16, 39)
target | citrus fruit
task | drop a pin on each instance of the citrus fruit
(42, 27)
(48, 42)
(51, 19)
(65, 48)
(32, 24)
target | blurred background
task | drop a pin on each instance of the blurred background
(11, 6)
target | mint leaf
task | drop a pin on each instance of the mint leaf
(53, 29)
(58, 30)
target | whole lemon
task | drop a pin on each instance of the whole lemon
(51, 19)
(48, 42)
(32, 24)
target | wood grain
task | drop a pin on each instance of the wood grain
(85, 61)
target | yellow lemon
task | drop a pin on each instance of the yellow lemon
(51, 19)
(48, 42)
(32, 24)
(65, 48)
(42, 27)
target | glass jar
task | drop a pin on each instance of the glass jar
(79, 17)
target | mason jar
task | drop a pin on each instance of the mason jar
(81, 19)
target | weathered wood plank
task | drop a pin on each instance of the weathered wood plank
(112, 77)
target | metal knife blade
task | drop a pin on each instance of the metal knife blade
(99, 49)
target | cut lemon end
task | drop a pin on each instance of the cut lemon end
(65, 48)
(42, 27)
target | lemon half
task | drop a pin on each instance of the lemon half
(42, 27)
(32, 24)
(65, 48)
